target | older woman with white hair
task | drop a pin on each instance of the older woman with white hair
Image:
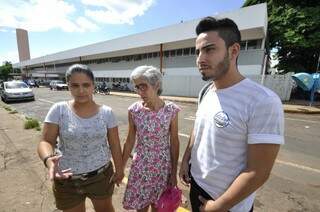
(153, 122)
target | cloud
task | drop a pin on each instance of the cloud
(3, 29)
(44, 15)
(39, 15)
(115, 11)
(85, 24)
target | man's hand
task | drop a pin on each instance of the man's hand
(54, 171)
(210, 205)
(184, 173)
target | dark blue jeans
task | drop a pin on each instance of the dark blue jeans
(195, 192)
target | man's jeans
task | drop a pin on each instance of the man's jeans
(195, 192)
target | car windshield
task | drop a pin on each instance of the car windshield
(59, 82)
(13, 85)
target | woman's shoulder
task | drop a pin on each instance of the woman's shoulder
(105, 108)
(60, 105)
(135, 106)
(172, 106)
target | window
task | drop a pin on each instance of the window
(137, 57)
(243, 45)
(166, 53)
(173, 53)
(126, 58)
(193, 51)
(186, 51)
(144, 56)
(254, 44)
(179, 52)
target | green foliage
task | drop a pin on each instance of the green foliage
(7, 108)
(5, 70)
(293, 28)
(13, 112)
(31, 123)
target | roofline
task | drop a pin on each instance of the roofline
(169, 34)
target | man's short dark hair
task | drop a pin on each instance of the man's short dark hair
(226, 28)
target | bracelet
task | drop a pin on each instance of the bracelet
(46, 158)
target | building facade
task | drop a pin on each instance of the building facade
(170, 48)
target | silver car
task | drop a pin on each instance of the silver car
(15, 90)
(58, 85)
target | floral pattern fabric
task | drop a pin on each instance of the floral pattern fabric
(151, 164)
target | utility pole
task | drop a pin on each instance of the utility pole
(318, 63)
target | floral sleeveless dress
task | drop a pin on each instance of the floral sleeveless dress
(151, 164)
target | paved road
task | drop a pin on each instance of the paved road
(294, 184)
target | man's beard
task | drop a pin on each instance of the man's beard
(222, 69)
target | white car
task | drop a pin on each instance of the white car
(15, 90)
(58, 85)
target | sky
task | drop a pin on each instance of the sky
(58, 25)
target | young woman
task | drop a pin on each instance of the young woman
(154, 124)
(88, 137)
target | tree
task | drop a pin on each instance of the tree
(5, 70)
(293, 29)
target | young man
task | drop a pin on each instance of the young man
(238, 128)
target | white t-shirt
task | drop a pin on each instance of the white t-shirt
(82, 141)
(227, 120)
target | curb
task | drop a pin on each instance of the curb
(302, 111)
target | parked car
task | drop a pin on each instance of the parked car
(15, 90)
(58, 85)
(32, 83)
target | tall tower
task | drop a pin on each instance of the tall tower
(23, 44)
(23, 49)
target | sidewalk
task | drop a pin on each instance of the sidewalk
(297, 106)
(24, 185)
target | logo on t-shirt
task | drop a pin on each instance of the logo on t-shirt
(221, 119)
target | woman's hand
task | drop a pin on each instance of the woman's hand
(54, 171)
(173, 180)
(184, 173)
(117, 177)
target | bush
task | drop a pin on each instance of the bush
(31, 123)
(7, 108)
(13, 112)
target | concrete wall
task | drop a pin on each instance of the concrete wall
(280, 84)
(191, 85)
